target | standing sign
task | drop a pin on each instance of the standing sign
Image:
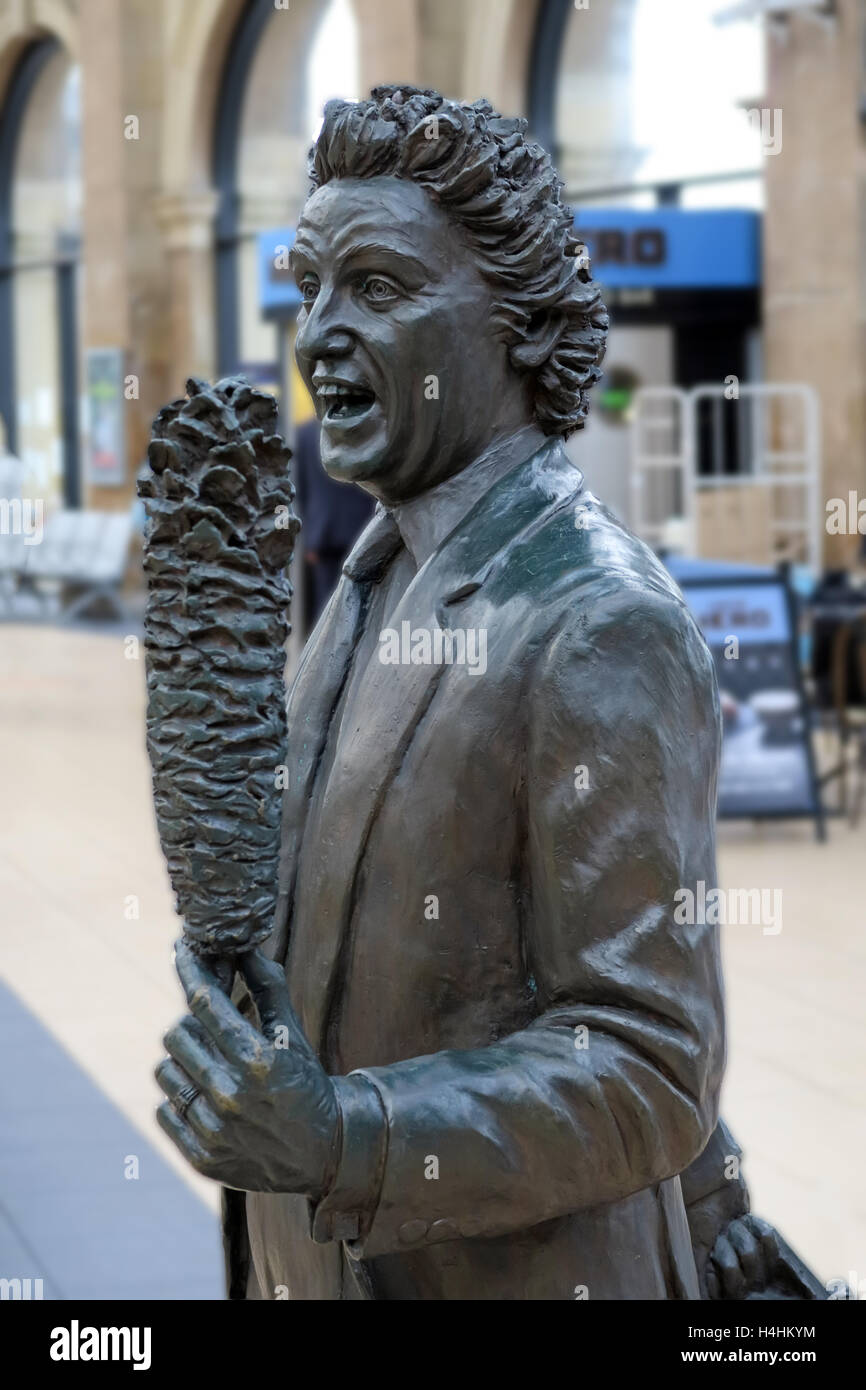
(106, 444)
(767, 766)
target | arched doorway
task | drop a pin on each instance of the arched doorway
(610, 96)
(580, 90)
(272, 78)
(634, 128)
(550, 26)
(40, 214)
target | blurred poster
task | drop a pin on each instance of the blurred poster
(767, 767)
(106, 461)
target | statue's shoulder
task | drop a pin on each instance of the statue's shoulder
(603, 612)
(595, 583)
(604, 551)
(579, 543)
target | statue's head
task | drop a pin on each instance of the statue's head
(447, 300)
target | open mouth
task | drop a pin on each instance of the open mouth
(344, 402)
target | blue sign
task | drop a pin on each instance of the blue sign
(673, 248)
(278, 293)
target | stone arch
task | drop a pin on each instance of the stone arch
(197, 41)
(21, 25)
(40, 226)
(198, 45)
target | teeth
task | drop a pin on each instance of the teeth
(343, 401)
(329, 388)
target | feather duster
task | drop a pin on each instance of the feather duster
(219, 535)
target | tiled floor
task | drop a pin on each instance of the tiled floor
(91, 991)
(87, 1203)
(91, 987)
(795, 1093)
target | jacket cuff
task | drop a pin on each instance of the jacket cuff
(707, 1176)
(346, 1211)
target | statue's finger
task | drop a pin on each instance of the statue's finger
(236, 1039)
(727, 1265)
(750, 1254)
(182, 1137)
(711, 1279)
(766, 1236)
(176, 1083)
(172, 1079)
(267, 984)
(203, 1068)
(198, 1031)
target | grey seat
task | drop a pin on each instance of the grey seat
(13, 551)
(87, 549)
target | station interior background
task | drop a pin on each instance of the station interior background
(152, 166)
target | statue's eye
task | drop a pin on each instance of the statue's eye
(379, 290)
(309, 288)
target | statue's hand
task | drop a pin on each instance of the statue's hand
(265, 1117)
(745, 1261)
(750, 1260)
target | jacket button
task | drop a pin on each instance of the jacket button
(446, 1229)
(412, 1231)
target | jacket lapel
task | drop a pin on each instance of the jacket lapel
(314, 697)
(390, 702)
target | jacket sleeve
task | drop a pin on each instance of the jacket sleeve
(614, 1085)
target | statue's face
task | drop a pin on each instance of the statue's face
(394, 339)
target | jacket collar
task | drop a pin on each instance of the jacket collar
(513, 499)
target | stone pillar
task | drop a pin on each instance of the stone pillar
(496, 55)
(444, 27)
(126, 293)
(105, 305)
(814, 237)
(186, 223)
(389, 41)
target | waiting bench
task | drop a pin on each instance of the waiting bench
(84, 550)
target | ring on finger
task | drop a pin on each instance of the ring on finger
(184, 1099)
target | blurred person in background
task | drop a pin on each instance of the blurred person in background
(333, 515)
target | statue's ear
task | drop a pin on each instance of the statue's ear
(542, 335)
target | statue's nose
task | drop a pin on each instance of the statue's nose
(323, 335)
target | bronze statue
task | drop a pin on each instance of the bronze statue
(477, 1058)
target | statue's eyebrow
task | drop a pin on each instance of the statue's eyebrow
(372, 248)
(300, 250)
(361, 250)
(371, 254)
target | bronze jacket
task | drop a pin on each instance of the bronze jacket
(535, 1064)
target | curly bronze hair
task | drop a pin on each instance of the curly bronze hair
(504, 192)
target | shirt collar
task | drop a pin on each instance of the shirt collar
(425, 521)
